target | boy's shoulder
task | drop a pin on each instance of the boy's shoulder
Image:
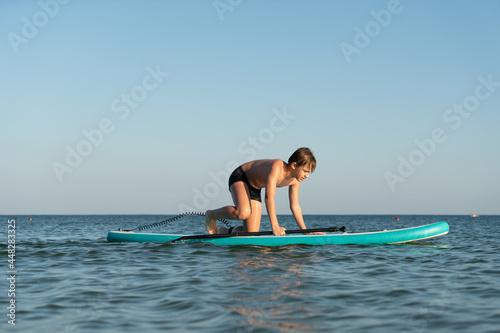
(273, 164)
(265, 162)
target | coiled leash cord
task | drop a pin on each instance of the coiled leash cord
(172, 219)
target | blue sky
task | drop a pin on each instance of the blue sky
(144, 107)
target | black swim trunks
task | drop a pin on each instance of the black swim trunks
(239, 175)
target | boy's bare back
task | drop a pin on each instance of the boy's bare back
(259, 171)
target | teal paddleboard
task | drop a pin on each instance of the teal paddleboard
(375, 237)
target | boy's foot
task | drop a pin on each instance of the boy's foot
(211, 223)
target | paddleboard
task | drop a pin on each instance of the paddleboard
(394, 236)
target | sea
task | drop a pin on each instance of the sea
(61, 275)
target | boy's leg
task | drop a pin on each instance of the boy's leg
(240, 211)
(252, 223)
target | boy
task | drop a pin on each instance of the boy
(245, 185)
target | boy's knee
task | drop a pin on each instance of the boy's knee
(243, 214)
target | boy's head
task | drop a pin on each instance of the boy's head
(303, 157)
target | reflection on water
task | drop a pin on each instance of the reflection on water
(271, 281)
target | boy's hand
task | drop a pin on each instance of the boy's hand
(279, 231)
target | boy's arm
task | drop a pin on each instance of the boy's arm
(272, 179)
(293, 194)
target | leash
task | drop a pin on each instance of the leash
(172, 219)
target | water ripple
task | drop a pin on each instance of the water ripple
(73, 281)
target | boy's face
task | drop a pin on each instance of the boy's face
(302, 172)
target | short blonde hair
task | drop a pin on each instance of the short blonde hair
(303, 157)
